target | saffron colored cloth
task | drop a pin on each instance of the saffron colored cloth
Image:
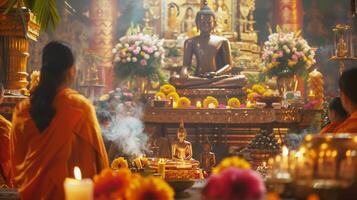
(330, 128)
(42, 161)
(5, 166)
(349, 125)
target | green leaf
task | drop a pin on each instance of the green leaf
(46, 13)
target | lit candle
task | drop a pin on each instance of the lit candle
(78, 189)
(347, 170)
(285, 154)
(198, 104)
(161, 167)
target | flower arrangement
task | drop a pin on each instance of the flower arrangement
(122, 184)
(287, 53)
(231, 162)
(233, 103)
(167, 89)
(138, 54)
(209, 100)
(183, 102)
(119, 163)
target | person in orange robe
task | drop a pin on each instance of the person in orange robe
(336, 114)
(5, 127)
(348, 93)
(54, 130)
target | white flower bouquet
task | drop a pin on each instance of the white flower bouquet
(287, 53)
(139, 55)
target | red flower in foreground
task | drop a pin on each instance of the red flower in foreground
(235, 184)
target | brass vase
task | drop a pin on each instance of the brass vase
(287, 82)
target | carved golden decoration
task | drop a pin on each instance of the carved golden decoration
(14, 47)
(254, 117)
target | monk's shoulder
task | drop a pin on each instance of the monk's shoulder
(75, 99)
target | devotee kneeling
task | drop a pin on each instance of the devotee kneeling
(5, 127)
(54, 130)
(348, 94)
(336, 115)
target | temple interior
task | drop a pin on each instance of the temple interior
(178, 99)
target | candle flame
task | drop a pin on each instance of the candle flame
(77, 173)
(285, 151)
(264, 164)
(158, 98)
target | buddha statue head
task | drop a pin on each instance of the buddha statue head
(205, 19)
(181, 132)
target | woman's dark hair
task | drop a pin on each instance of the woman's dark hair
(57, 58)
(336, 105)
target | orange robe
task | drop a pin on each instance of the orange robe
(349, 125)
(330, 128)
(5, 166)
(41, 161)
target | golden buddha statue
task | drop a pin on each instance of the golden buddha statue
(181, 149)
(342, 48)
(213, 56)
(207, 157)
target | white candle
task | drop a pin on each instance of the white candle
(78, 189)
(211, 105)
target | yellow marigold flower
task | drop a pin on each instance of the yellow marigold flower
(208, 100)
(119, 163)
(291, 63)
(142, 53)
(260, 89)
(175, 97)
(167, 89)
(231, 162)
(268, 93)
(251, 96)
(233, 103)
(183, 102)
(150, 188)
(249, 91)
(160, 95)
(112, 185)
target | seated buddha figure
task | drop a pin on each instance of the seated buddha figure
(181, 149)
(213, 58)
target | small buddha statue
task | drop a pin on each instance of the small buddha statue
(341, 48)
(181, 149)
(207, 157)
(213, 57)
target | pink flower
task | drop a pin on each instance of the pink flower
(143, 62)
(273, 60)
(132, 47)
(235, 184)
(136, 51)
(150, 50)
(295, 57)
(280, 54)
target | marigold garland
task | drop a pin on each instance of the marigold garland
(167, 89)
(231, 162)
(208, 100)
(150, 188)
(233, 103)
(183, 102)
(160, 95)
(175, 97)
(119, 163)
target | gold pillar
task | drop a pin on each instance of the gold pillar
(288, 15)
(102, 15)
(14, 47)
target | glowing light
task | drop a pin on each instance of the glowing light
(77, 173)
(285, 151)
